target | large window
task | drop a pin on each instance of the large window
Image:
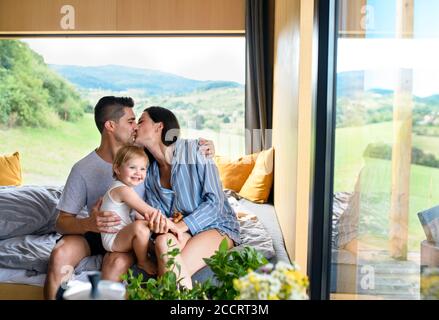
(386, 168)
(49, 86)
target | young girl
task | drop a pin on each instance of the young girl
(129, 170)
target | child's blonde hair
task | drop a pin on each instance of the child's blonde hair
(127, 153)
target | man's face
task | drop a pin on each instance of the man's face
(126, 127)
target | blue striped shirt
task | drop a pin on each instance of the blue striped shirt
(196, 192)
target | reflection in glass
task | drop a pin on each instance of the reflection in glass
(386, 169)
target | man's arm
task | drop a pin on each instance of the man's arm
(68, 224)
(212, 196)
(98, 221)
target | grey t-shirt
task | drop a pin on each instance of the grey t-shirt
(88, 180)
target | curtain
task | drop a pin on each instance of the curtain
(259, 26)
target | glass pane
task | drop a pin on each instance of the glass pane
(386, 175)
(49, 87)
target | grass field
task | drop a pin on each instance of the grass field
(48, 154)
(376, 181)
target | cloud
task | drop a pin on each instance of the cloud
(201, 58)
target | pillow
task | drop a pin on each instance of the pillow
(430, 222)
(252, 231)
(10, 170)
(253, 234)
(258, 185)
(233, 174)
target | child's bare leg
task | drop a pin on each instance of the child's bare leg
(135, 236)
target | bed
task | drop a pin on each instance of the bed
(27, 236)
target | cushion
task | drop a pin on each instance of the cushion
(258, 185)
(252, 231)
(430, 222)
(10, 170)
(233, 174)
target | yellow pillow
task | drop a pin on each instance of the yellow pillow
(233, 174)
(258, 185)
(10, 170)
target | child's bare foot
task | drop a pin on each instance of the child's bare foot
(149, 267)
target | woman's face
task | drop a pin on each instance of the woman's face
(147, 130)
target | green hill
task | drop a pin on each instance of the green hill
(30, 93)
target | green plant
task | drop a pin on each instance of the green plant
(226, 265)
(166, 287)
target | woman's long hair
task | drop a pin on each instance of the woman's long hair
(171, 127)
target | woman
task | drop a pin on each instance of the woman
(181, 180)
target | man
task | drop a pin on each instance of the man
(88, 181)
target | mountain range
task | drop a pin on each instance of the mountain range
(122, 78)
(350, 83)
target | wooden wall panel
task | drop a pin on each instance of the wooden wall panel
(285, 115)
(293, 85)
(119, 16)
(352, 18)
(206, 15)
(45, 16)
(307, 75)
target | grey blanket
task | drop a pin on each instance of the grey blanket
(27, 229)
(28, 210)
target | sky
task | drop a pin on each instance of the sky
(383, 58)
(382, 55)
(223, 58)
(200, 58)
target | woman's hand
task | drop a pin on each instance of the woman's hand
(176, 230)
(158, 223)
(138, 216)
(206, 147)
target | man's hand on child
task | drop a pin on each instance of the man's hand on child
(102, 221)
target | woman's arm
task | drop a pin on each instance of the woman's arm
(212, 195)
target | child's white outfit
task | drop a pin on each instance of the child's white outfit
(121, 209)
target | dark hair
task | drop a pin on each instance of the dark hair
(111, 108)
(171, 127)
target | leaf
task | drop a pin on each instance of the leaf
(224, 246)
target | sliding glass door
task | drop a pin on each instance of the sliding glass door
(384, 223)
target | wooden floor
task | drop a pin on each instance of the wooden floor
(391, 279)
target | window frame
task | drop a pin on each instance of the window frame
(323, 130)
